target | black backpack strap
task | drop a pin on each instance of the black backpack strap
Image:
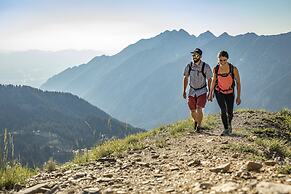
(231, 67)
(203, 67)
(190, 68)
(216, 73)
(216, 69)
(231, 70)
(198, 88)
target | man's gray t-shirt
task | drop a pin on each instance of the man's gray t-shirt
(197, 79)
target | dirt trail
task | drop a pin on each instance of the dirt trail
(191, 163)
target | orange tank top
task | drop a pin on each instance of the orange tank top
(225, 81)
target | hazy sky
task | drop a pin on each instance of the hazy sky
(110, 25)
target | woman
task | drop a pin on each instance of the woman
(225, 77)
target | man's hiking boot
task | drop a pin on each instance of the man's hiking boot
(198, 129)
(195, 126)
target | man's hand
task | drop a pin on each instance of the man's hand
(184, 95)
(238, 101)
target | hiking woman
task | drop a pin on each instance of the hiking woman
(225, 77)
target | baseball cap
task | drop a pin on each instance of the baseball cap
(197, 50)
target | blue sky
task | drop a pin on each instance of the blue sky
(110, 25)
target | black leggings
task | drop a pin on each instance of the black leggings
(225, 102)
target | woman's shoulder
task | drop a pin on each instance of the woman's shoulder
(215, 67)
(235, 69)
(233, 66)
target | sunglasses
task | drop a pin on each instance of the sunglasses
(195, 55)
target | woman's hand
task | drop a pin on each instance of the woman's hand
(238, 100)
(210, 97)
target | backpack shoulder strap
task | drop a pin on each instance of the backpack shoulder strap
(190, 68)
(216, 73)
(203, 67)
(216, 69)
(231, 67)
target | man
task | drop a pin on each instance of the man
(200, 73)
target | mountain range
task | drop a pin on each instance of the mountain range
(142, 84)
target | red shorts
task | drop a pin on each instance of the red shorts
(197, 102)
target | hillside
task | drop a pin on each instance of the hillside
(52, 124)
(173, 159)
(142, 84)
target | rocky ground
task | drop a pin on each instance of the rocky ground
(187, 163)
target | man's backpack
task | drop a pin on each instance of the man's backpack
(203, 73)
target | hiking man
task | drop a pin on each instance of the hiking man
(200, 73)
(223, 84)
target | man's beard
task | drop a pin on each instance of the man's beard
(196, 60)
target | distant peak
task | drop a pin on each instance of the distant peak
(251, 34)
(181, 32)
(207, 34)
(224, 34)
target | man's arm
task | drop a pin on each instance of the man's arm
(209, 76)
(209, 84)
(185, 82)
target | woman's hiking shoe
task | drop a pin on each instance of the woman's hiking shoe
(225, 132)
(230, 129)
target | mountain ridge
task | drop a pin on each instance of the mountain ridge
(53, 124)
(129, 70)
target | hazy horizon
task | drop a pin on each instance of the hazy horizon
(34, 67)
(109, 26)
(113, 52)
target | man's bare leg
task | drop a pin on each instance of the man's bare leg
(199, 116)
(194, 116)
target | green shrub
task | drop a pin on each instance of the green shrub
(161, 143)
(14, 174)
(50, 165)
(243, 148)
(286, 169)
(274, 146)
(113, 147)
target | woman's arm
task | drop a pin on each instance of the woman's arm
(238, 85)
(212, 85)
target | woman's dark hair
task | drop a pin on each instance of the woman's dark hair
(222, 54)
